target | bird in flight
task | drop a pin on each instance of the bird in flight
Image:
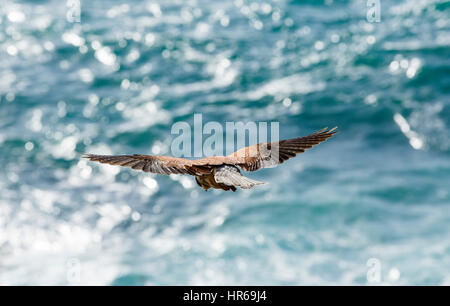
(221, 172)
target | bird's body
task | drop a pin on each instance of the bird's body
(207, 181)
(226, 177)
(221, 172)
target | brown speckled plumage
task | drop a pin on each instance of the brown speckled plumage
(220, 172)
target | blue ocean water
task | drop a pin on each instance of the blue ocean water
(369, 206)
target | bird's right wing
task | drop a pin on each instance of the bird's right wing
(147, 163)
(264, 155)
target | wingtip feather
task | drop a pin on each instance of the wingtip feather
(89, 156)
(325, 130)
(333, 130)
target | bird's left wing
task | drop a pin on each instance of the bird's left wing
(147, 163)
(271, 154)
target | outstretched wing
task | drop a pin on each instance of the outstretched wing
(147, 163)
(272, 154)
(231, 176)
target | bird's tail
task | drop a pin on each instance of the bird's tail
(231, 176)
(246, 183)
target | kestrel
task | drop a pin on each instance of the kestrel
(221, 172)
